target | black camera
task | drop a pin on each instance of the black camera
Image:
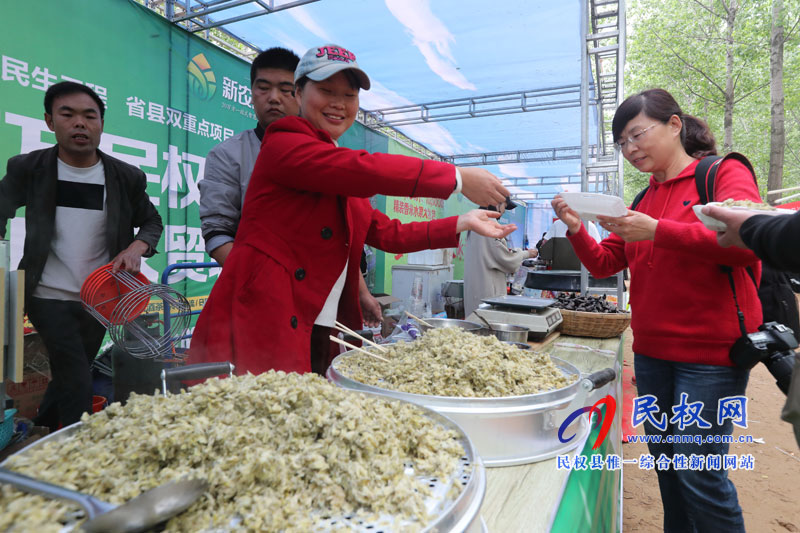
(773, 345)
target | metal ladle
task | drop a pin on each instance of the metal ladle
(139, 514)
(485, 322)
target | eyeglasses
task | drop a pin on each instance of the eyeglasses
(634, 137)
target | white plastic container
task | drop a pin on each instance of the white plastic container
(711, 223)
(717, 225)
(590, 204)
(433, 277)
(427, 257)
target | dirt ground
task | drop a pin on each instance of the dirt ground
(768, 494)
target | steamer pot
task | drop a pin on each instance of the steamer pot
(458, 516)
(510, 430)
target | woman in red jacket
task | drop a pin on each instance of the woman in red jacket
(294, 266)
(684, 317)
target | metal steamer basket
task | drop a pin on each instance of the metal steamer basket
(458, 516)
(510, 430)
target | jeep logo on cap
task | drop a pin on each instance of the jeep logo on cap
(335, 53)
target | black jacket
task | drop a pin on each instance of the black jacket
(774, 239)
(31, 180)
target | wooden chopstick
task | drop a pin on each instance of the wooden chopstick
(344, 329)
(418, 319)
(352, 347)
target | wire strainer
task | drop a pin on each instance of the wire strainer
(146, 339)
(119, 299)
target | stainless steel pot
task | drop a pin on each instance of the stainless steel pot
(511, 430)
(451, 323)
(509, 332)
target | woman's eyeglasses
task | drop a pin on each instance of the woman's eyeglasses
(633, 138)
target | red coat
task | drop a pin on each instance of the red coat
(682, 304)
(306, 212)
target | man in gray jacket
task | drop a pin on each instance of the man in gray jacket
(230, 163)
(81, 208)
(487, 264)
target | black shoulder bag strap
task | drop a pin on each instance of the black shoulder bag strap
(704, 175)
(639, 198)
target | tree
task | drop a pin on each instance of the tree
(777, 132)
(713, 56)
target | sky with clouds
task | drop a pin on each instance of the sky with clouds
(422, 51)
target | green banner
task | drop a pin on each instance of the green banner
(591, 502)
(591, 498)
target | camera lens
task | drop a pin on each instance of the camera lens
(745, 354)
(780, 365)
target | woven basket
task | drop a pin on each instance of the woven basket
(598, 325)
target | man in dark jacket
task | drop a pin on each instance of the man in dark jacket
(81, 208)
(776, 241)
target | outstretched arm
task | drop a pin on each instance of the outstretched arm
(299, 160)
(392, 236)
(484, 223)
(602, 260)
(774, 239)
